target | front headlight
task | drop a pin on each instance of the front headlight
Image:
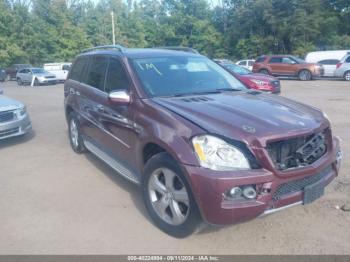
(216, 154)
(259, 82)
(21, 111)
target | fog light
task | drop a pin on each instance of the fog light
(235, 192)
(249, 192)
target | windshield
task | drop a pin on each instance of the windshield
(237, 69)
(171, 76)
(38, 71)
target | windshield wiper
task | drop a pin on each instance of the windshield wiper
(216, 91)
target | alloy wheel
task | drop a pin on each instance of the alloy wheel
(304, 75)
(347, 76)
(168, 196)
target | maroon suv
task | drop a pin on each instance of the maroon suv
(200, 144)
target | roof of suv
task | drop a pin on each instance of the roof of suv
(141, 52)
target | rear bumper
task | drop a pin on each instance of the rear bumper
(339, 73)
(209, 188)
(15, 128)
(318, 72)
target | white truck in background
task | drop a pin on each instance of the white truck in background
(61, 70)
(329, 60)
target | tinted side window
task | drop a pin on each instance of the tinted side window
(243, 63)
(250, 63)
(97, 71)
(274, 60)
(287, 60)
(116, 77)
(329, 62)
(260, 59)
(77, 68)
(348, 60)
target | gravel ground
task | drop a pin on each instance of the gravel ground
(53, 201)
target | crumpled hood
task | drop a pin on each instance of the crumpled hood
(252, 117)
(7, 103)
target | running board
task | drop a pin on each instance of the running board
(121, 169)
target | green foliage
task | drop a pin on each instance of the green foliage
(39, 31)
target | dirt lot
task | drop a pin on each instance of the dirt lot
(53, 201)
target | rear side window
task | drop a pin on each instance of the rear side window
(77, 69)
(329, 62)
(250, 63)
(260, 59)
(242, 63)
(97, 71)
(347, 59)
(274, 60)
(116, 77)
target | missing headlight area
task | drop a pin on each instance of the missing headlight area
(299, 151)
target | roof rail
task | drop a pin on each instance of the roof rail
(179, 48)
(105, 47)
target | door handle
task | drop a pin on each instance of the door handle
(100, 109)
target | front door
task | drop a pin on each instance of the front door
(117, 120)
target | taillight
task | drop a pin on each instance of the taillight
(339, 65)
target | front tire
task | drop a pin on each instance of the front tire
(347, 76)
(305, 75)
(264, 71)
(75, 137)
(168, 197)
(19, 81)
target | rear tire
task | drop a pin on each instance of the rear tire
(75, 136)
(305, 75)
(347, 76)
(264, 71)
(168, 197)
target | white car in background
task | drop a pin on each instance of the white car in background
(248, 63)
(343, 68)
(60, 70)
(329, 60)
(37, 76)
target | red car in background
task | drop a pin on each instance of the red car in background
(252, 80)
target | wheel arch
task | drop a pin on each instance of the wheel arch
(346, 71)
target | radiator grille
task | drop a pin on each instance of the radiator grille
(298, 185)
(6, 116)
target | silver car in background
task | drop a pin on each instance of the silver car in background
(343, 68)
(38, 75)
(14, 119)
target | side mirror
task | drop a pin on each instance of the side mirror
(121, 98)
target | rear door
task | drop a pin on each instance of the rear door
(329, 65)
(275, 65)
(91, 97)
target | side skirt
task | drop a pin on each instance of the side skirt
(112, 162)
